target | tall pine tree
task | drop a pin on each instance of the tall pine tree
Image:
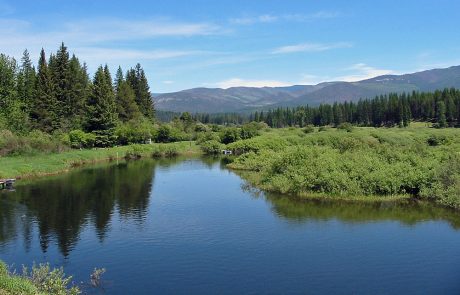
(26, 82)
(101, 109)
(136, 78)
(45, 107)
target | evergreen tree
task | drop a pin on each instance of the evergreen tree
(44, 112)
(12, 115)
(127, 108)
(441, 114)
(26, 82)
(136, 78)
(118, 78)
(59, 66)
(8, 93)
(101, 109)
(78, 92)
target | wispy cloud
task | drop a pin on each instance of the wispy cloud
(358, 72)
(270, 18)
(92, 40)
(265, 18)
(311, 47)
(95, 55)
(238, 82)
(115, 29)
(362, 71)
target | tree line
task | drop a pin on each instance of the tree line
(59, 96)
(441, 107)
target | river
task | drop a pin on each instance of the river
(191, 226)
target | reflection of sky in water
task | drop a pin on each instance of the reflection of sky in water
(190, 227)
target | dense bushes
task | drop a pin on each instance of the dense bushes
(211, 147)
(366, 162)
(135, 132)
(32, 143)
(81, 139)
(445, 187)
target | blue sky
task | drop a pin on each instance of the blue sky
(186, 44)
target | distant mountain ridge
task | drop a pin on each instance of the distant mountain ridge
(239, 99)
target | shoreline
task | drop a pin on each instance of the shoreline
(42, 165)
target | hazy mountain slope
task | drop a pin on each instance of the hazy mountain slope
(214, 100)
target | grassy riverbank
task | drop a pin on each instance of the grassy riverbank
(10, 284)
(39, 280)
(47, 164)
(354, 162)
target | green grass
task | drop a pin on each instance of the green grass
(46, 164)
(12, 285)
(38, 280)
(364, 164)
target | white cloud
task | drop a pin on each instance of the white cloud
(309, 79)
(238, 82)
(113, 29)
(168, 82)
(265, 18)
(269, 18)
(16, 35)
(311, 47)
(362, 71)
(94, 54)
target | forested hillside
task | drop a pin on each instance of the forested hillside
(244, 99)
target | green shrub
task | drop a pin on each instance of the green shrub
(164, 134)
(345, 126)
(80, 139)
(229, 135)
(322, 128)
(445, 187)
(207, 136)
(171, 151)
(308, 129)
(134, 132)
(435, 140)
(250, 130)
(33, 143)
(134, 152)
(199, 127)
(158, 151)
(211, 147)
(39, 279)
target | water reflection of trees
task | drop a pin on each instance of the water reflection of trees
(62, 205)
(408, 212)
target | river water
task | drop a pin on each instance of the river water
(191, 226)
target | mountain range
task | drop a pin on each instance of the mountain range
(240, 99)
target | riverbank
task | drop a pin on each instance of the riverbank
(355, 164)
(10, 284)
(49, 164)
(39, 280)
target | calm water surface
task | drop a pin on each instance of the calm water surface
(190, 226)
